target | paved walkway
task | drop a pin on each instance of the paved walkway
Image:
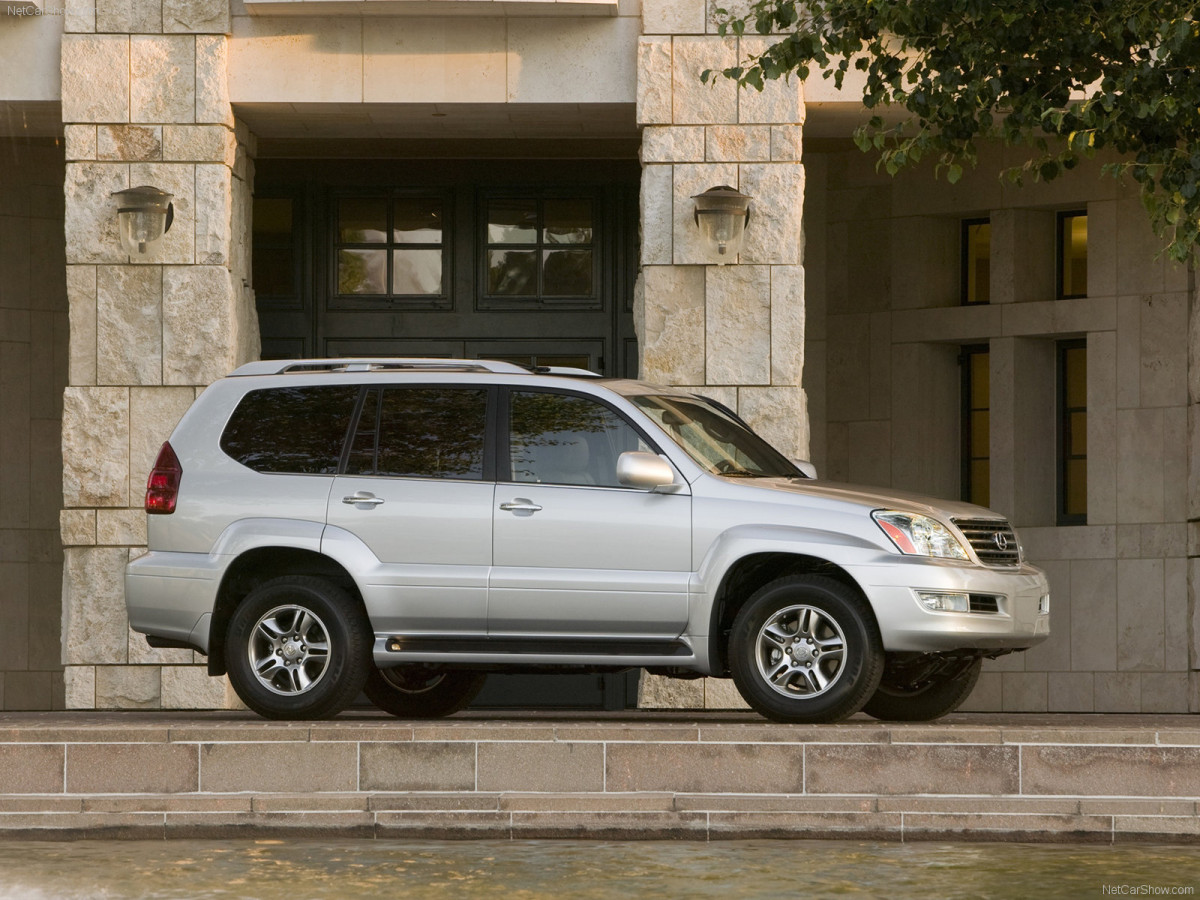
(636, 774)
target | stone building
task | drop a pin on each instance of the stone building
(357, 177)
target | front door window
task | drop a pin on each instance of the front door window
(564, 439)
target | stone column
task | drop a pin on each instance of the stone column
(735, 332)
(144, 102)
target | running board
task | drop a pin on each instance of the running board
(561, 647)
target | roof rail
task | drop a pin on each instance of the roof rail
(565, 371)
(377, 364)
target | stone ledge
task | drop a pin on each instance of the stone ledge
(572, 818)
(620, 776)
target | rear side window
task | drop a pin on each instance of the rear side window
(421, 433)
(295, 430)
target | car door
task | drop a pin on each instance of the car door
(418, 490)
(575, 552)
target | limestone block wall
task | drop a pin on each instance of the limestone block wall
(145, 101)
(885, 328)
(33, 372)
(735, 331)
(480, 57)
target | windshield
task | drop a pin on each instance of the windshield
(715, 438)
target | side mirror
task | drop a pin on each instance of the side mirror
(638, 469)
(809, 470)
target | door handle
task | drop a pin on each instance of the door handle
(520, 505)
(362, 497)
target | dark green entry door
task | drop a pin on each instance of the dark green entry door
(512, 259)
(530, 261)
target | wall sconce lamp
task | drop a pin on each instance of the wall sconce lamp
(144, 215)
(722, 214)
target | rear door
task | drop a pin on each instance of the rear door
(418, 490)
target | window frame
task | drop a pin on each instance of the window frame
(1063, 413)
(1060, 249)
(966, 384)
(965, 259)
(389, 300)
(539, 301)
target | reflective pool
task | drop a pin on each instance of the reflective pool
(565, 870)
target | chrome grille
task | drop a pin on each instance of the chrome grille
(993, 540)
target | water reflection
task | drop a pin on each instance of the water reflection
(578, 870)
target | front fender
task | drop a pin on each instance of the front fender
(818, 546)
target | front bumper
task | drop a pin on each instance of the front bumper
(906, 625)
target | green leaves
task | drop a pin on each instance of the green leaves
(1058, 80)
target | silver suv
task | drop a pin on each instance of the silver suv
(403, 527)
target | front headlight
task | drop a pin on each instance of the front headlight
(919, 535)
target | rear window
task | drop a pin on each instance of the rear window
(295, 430)
(421, 433)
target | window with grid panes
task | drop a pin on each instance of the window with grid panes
(391, 247)
(540, 250)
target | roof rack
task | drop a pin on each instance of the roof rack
(399, 364)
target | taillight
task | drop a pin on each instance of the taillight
(162, 488)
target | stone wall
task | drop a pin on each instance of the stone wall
(885, 331)
(33, 372)
(145, 101)
(735, 331)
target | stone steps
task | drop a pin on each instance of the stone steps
(622, 776)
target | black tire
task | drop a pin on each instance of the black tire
(830, 639)
(935, 697)
(298, 648)
(422, 692)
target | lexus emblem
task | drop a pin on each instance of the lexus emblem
(1000, 540)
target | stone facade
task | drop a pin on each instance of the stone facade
(735, 331)
(33, 372)
(884, 332)
(144, 102)
(845, 295)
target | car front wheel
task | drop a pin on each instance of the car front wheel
(806, 648)
(422, 692)
(298, 648)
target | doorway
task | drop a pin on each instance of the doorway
(532, 261)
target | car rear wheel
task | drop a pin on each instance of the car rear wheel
(929, 696)
(298, 648)
(806, 648)
(422, 692)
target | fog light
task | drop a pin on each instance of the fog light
(945, 602)
(1044, 605)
